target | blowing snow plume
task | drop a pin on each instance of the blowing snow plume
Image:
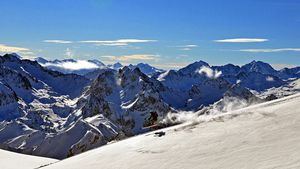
(210, 73)
(227, 104)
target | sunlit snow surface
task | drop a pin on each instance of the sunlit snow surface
(261, 136)
(10, 160)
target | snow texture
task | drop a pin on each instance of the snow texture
(262, 136)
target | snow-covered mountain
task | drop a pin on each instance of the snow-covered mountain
(287, 73)
(230, 70)
(39, 77)
(260, 136)
(289, 88)
(257, 75)
(143, 67)
(35, 103)
(89, 67)
(258, 66)
(146, 68)
(195, 86)
(40, 108)
(125, 97)
(115, 66)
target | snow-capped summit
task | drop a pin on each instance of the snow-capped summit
(97, 62)
(228, 69)
(195, 86)
(16, 55)
(192, 68)
(146, 68)
(115, 66)
(259, 66)
(126, 97)
(41, 60)
(56, 80)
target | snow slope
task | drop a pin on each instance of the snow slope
(10, 160)
(261, 136)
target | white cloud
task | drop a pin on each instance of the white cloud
(58, 41)
(209, 72)
(111, 44)
(187, 46)
(171, 65)
(270, 50)
(119, 42)
(24, 52)
(185, 49)
(191, 46)
(241, 40)
(12, 49)
(77, 65)
(132, 57)
(279, 66)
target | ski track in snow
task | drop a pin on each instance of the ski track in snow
(261, 136)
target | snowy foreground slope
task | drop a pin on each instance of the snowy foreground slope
(261, 136)
(11, 160)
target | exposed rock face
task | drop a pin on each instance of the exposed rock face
(126, 97)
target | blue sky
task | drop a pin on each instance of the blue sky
(165, 33)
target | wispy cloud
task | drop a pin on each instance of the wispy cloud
(10, 49)
(132, 57)
(119, 42)
(58, 41)
(25, 52)
(270, 50)
(171, 65)
(186, 47)
(279, 66)
(242, 40)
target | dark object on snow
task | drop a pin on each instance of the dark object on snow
(160, 133)
(271, 97)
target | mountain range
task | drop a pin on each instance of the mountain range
(58, 109)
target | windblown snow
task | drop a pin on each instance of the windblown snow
(262, 136)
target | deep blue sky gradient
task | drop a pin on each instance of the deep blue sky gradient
(173, 23)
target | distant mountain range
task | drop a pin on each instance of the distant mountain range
(64, 107)
(82, 67)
